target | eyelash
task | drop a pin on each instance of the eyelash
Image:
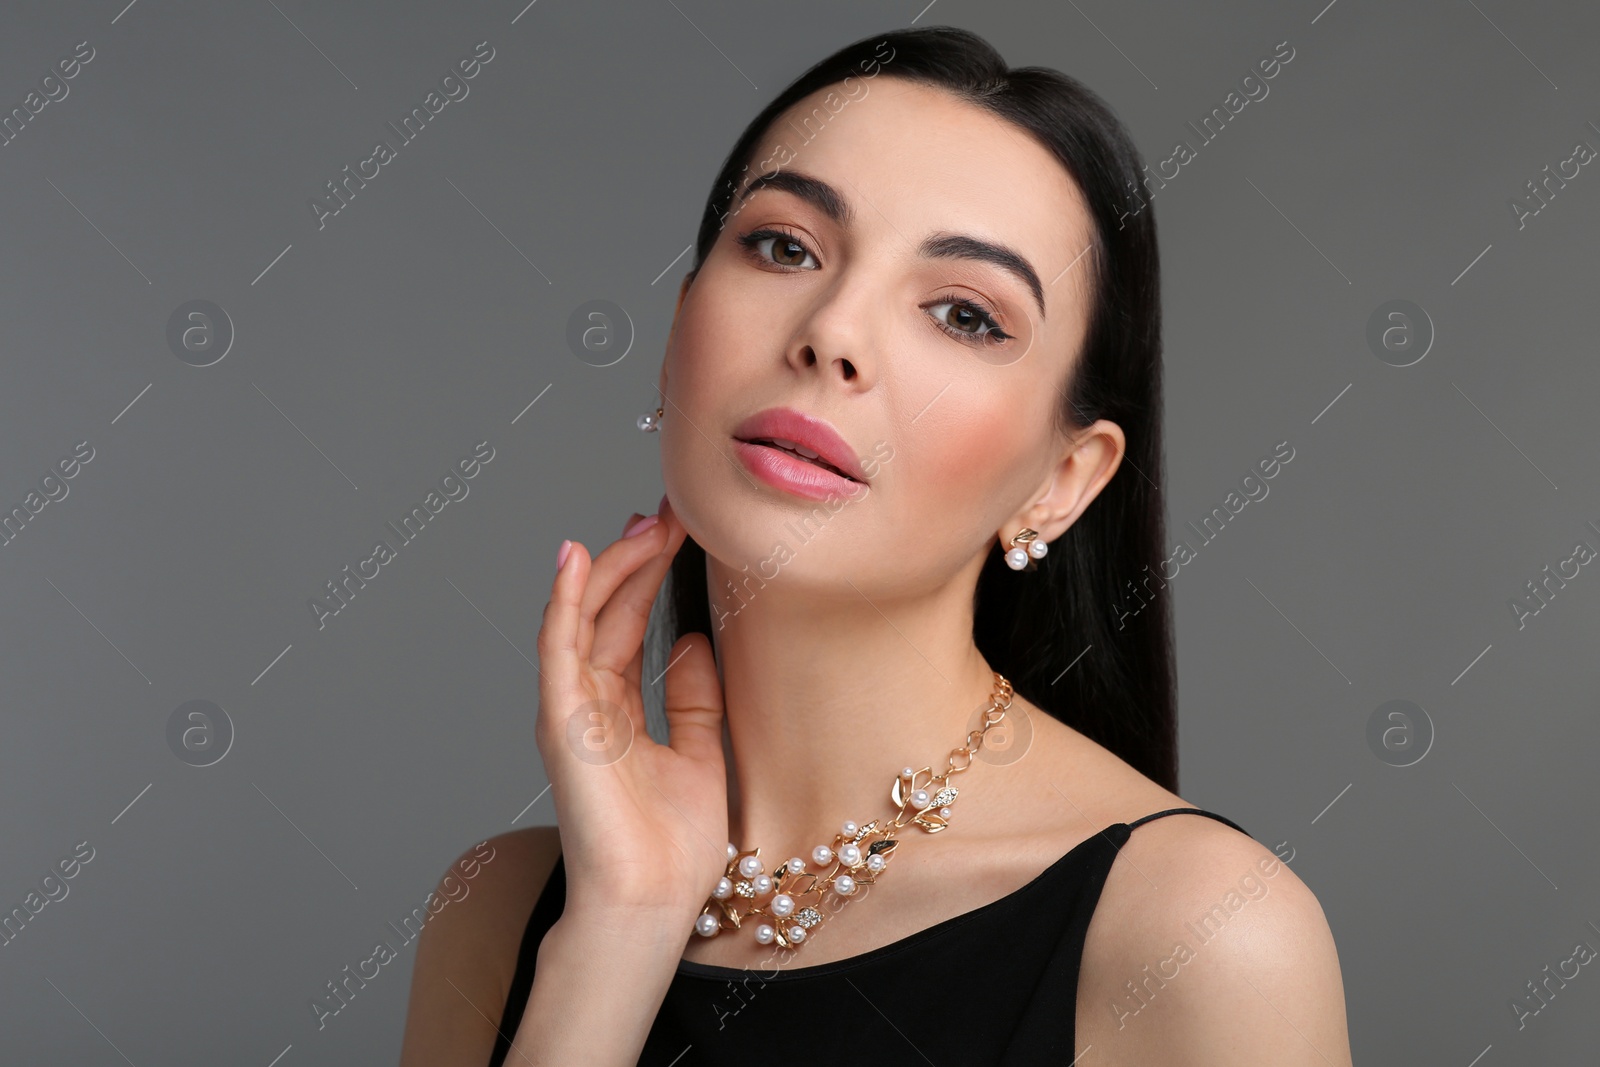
(986, 316)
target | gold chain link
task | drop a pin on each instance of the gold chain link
(808, 889)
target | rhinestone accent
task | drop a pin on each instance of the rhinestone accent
(792, 884)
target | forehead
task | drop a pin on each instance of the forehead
(913, 159)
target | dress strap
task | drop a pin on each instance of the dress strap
(1187, 811)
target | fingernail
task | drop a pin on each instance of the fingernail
(561, 554)
(642, 525)
(663, 505)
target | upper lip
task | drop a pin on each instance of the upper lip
(813, 433)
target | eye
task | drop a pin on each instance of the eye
(785, 248)
(968, 321)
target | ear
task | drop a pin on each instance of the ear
(683, 291)
(1088, 463)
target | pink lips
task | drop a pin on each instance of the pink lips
(792, 472)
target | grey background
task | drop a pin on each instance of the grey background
(429, 314)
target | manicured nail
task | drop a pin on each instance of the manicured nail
(561, 554)
(663, 505)
(642, 525)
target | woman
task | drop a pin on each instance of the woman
(920, 337)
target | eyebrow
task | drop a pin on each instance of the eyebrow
(826, 199)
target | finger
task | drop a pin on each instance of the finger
(612, 566)
(694, 700)
(633, 673)
(609, 570)
(620, 627)
(559, 665)
(620, 632)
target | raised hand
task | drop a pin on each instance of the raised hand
(644, 826)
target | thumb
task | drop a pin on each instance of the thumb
(694, 700)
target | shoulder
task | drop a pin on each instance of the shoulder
(467, 951)
(1205, 941)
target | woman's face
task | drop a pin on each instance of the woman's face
(940, 368)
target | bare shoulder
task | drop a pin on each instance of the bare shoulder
(467, 952)
(1206, 949)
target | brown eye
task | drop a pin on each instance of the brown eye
(967, 322)
(785, 251)
(963, 318)
(788, 253)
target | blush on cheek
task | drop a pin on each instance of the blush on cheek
(966, 456)
(968, 468)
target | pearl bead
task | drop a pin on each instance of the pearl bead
(849, 855)
(796, 865)
(764, 934)
(732, 851)
(706, 925)
(1037, 549)
(944, 813)
(919, 799)
(782, 905)
(905, 772)
(750, 866)
(763, 884)
(849, 828)
(797, 933)
(1017, 559)
(822, 855)
(876, 863)
(724, 889)
(844, 885)
(648, 422)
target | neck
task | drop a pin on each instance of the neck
(827, 699)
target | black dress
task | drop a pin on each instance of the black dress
(995, 985)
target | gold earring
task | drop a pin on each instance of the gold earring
(1020, 558)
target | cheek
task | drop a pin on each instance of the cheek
(966, 470)
(965, 460)
(960, 462)
(713, 356)
(712, 376)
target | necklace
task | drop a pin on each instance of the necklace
(858, 855)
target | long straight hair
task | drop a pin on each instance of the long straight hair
(1077, 637)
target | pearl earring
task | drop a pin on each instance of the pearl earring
(650, 421)
(1020, 558)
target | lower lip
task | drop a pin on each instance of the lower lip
(792, 474)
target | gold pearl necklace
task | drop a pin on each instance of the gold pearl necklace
(856, 857)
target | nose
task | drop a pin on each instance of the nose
(839, 337)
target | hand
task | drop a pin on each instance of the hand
(644, 826)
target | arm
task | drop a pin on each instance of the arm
(599, 983)
(467, 953)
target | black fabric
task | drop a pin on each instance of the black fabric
(995, 985)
